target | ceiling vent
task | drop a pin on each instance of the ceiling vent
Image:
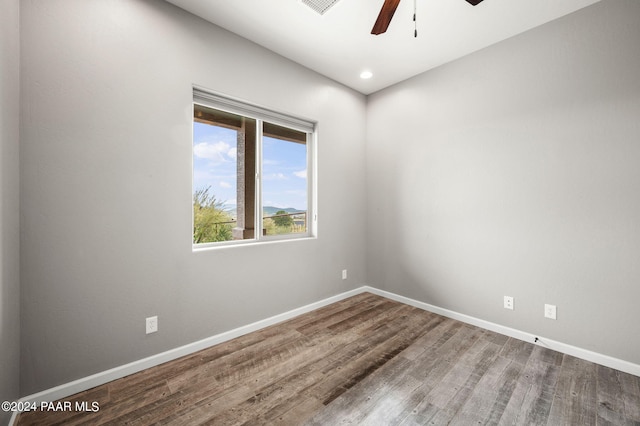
(320, 6)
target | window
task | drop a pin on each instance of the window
(252, 173)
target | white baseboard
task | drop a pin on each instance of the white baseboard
(607, 361)
(98, 379)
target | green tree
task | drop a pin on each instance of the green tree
(281, 219)
(211, 223)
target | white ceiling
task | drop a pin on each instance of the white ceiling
(339, 45)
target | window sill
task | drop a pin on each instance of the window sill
(245, 243)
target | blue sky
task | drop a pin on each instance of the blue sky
(284, 174)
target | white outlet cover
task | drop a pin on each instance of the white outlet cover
(550, 311)
(508, 302)
(152, 324)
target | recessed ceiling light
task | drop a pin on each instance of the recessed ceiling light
(366, 74)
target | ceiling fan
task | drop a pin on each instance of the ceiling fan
(386, 13)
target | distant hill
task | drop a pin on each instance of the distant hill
(270, 211)
(266, 210)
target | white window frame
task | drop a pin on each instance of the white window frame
(207, 98)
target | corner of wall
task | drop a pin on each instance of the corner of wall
(9, 203)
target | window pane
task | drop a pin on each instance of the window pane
(284, 180)
(215, 137)
(229, 149)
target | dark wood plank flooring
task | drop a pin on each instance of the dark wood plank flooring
(365, 360)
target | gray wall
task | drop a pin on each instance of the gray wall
(512, 171)
(516, 171)
(9, 202)
(106, 186)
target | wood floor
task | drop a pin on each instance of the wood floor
(365, 360)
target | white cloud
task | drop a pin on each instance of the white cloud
(224, 184)
(302, 174)
(217, 152)
(274, 176)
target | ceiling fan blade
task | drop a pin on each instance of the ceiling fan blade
(384, 18)
(474, 2)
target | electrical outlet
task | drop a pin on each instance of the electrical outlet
(344, 274)
(152, 324)
(508, 302)
(550, 311)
